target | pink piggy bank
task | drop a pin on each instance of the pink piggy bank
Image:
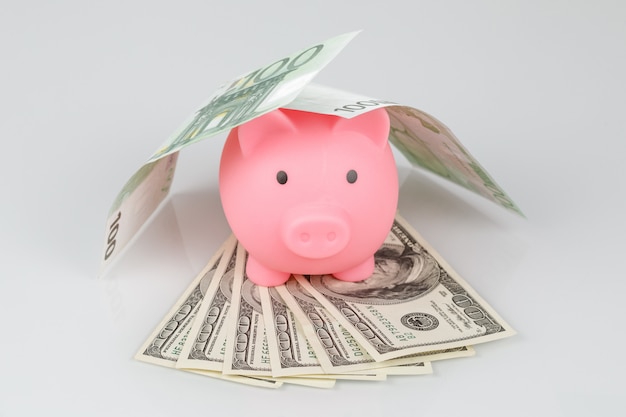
(308, 193)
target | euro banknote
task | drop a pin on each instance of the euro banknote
(237, 101)
(425, 141)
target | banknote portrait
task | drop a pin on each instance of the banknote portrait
(399, 275)
(250, 293)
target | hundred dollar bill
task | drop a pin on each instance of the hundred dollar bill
(247, 350)
(414, 302)
(335, 347)
(290, 352)
(206, 340)
(255, 382)
(317, 324)
(304, 380)
(242, 99)
(422, 368)
(165, 343)
(380, 374)
(422, 139)
(371, 375)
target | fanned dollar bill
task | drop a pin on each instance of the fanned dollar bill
(421, 368)
(290, 351)
(414, 302)
(246, 380)
(166, 342)
(206, 340)
(336, 347)
(247, 350)
(177, 343)
(371, 375)
(292, 354)
(304, 380)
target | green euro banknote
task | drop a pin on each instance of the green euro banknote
(242, 99)
(422, 139)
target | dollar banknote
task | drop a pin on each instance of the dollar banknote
(336, 347)
(338, 351)
(414, 302)
(290, 351)
(165, 343)
(420, 368)
(206, 341)
(315, 330)
(246, 380)
(247, 350)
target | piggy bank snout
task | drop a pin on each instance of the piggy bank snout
(316, 232)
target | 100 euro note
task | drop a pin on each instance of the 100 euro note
(425, 141)
(244, 98)
(413, 303)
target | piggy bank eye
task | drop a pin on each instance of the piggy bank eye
(351, 176)
(281, 177)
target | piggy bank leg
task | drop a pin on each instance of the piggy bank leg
(263, 276)
(358, 273)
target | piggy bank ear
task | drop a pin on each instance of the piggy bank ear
(373, 124)
(262, 128)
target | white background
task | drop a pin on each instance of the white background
(534, 89)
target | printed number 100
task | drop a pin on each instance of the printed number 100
(361, 105)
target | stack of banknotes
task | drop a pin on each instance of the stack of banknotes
(315, 330)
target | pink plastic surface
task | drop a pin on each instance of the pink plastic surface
(308, 193)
